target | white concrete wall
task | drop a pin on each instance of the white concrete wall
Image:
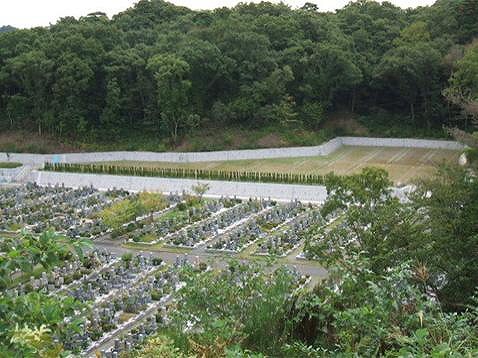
(324, 149)
(402, 142)
(306, 193)
(8, 175)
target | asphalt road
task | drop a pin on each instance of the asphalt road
(304, 267)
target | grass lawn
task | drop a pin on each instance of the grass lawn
(403, 164)
(9, 165)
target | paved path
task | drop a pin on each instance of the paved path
(217, 261)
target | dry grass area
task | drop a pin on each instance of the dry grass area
(403, 164)
(27, 142)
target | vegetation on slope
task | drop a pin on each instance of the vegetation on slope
(401, 283)
(32, 324)
(162, 71)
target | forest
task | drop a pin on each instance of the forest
(165, 71)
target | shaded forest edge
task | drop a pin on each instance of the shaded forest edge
(207, 138)
(162, 77)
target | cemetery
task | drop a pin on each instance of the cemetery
(188, 221)
(109, 269)
(108, 262)
(263, 179)
(111, 303)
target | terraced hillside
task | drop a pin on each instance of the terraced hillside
(403, 164)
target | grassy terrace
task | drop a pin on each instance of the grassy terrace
(403, 164)
(9, 165)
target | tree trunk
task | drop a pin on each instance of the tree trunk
(10, 119)
(175, 132)
(412, 111)
(427, 112)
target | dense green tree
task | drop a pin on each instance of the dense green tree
(112, 111)
(412, 72)
(32, 71)
(449, 204)
(435, 229)
(463, 89)
(173, 93)
(252, 65)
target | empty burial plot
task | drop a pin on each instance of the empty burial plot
(403, 164)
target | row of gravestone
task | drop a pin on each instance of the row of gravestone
(256, 227)
(63, 276)
(24, 195)
(134, 338)
(104, 320)
(209, 227)
(52, 207)
(188, 231)
(316, 240)
(283, 241)
(126, 297)
(174, 220)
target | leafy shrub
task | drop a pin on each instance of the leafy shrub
(158, 346)
(127, 210)
(244, 306)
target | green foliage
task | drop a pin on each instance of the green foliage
(359, 312)
(240, 305)
(36, 341)
(449, 205)
(412, 70)
(17, 313)
(312, 113)
(26, 251)
(463, 88)
(472, 156)
(435, 229)
(173, 92)
(355, 311)
(158, 346)
(10, 165)
(161, 69)
(200, 189)
(127, 210)
(32, 324)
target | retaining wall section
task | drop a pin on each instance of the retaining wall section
(306, 193)
(37, 160)
(327, 148)
(8, 175)
(402, 142)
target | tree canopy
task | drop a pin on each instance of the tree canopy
(165, 69)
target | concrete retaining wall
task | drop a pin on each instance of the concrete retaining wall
(8, 175)
(402, 142)
(306, 193)
(37, 160)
